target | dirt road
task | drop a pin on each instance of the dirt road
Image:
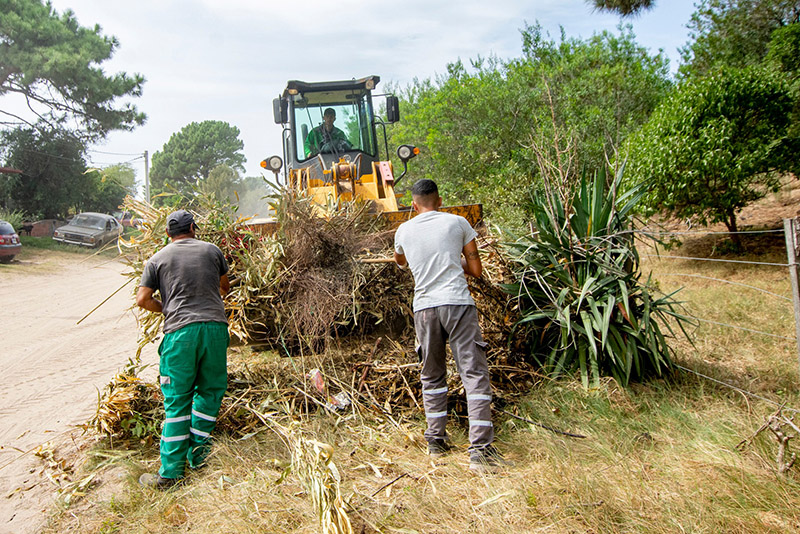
(51, 367)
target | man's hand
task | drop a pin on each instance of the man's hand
(145, 300)
(400, 260)
(471, 262)
(224, 285)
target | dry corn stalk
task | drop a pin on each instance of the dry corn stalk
(296, 287)
(312, 461)
(127, 399)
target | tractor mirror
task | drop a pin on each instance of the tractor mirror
(392, 109)
(280, 111)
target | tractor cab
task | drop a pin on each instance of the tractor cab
(331, 145)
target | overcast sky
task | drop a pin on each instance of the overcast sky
(227, 60)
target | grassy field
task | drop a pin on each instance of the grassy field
(661, 457)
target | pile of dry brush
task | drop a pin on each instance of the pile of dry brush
(298, 286)
(305, 289)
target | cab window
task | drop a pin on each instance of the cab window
(350, 130)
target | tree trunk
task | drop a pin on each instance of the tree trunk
(730, 222)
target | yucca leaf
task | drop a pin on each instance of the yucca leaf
(577, 270)
(582, 363)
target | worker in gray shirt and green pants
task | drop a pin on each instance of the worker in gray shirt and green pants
(432, 245)
(191, 276)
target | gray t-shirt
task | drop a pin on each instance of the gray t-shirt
(432, 243)
(187, 273)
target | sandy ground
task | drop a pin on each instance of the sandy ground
(51, 367)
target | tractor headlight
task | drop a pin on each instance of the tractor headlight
(272, 163)
(406, 152)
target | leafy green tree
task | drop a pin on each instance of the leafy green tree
(222, 183)
(623, 7)
(55, 65)
(784, 51)
(784, 56)
(715, 145)
(191, 154)
(478, 130)
(109, 188)
(52, 180)
(733, 33)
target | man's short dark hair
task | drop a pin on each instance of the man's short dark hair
(423, 188)
(329, 111)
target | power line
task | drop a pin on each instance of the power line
(114, 153)
(115, 162)
(52, 155)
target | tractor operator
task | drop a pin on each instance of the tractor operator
(326, 137)
(432, 244)
(192, 277)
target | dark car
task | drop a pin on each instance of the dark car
(89, 230)
(10, 245)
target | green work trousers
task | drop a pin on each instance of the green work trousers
(193, 369)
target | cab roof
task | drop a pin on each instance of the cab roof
(294, 87)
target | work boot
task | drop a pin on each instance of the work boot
(487, 460)
(438, 448)
(149, 480)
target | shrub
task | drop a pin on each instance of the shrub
(579, 290)
(14, 218)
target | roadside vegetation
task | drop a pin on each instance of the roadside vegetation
(679, 452)
(658, 457)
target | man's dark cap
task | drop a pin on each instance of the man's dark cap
(179, 222)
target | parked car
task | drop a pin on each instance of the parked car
(10, 245)
(89, 230)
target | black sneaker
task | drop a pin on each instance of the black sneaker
(438, 448)
(149, 480)
(487, 460)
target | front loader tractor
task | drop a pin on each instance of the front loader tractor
(333, 151)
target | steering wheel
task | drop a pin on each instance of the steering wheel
(335, 145)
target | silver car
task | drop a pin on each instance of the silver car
(89, 230)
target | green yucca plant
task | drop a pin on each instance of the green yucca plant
(579, 288)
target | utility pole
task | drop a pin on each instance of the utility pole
(790, 229)
(146, 178)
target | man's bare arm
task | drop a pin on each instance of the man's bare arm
(471, 262)
(145, 300)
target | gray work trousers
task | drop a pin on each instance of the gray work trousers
(458, 324)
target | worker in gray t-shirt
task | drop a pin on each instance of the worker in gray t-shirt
(191, 276)
(432, 245)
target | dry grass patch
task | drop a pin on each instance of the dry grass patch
(658, 458)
